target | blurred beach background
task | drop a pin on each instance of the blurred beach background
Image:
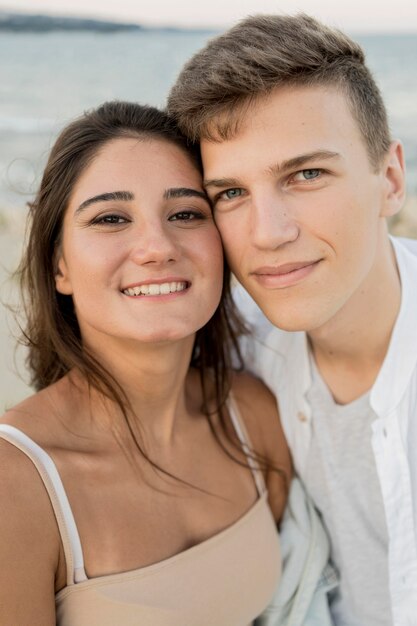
(46, 79)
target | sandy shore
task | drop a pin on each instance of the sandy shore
(13, 379)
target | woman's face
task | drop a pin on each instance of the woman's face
(140, 254)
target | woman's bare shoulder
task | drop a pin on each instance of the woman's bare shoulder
(27, 412)
(259, 410)
(246, 385)
(26, 511)
(42, 415)
(29, 541)
(257, 405)
(22, 492)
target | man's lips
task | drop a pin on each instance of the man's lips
(285, 268)
(284, 275)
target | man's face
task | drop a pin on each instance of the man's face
(299, 206)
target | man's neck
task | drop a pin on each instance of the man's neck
(350, 349)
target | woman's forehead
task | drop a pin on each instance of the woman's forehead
(136, 166)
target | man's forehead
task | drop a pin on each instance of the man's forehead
(235, 118)
(285, 126)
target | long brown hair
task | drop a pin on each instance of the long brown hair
(52, 332)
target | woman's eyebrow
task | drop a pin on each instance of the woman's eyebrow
(125, 196)
(184, 192)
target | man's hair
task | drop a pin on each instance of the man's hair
(265, 52)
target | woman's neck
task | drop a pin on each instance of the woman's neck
(153, 379)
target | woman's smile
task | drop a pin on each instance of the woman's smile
(139, 223)
(159, 288)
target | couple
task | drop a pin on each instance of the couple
(160, 471)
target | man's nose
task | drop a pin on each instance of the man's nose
(272, 223)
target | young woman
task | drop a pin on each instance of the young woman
(135, 484)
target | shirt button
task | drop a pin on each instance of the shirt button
(301, 416)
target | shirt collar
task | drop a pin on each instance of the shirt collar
(401, 358)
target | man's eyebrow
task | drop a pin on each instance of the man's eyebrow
(125, 196)
(222, 182)
(184, 192)
(302, 159)
(278, 168)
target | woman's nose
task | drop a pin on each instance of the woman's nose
(154, 245)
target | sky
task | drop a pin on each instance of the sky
(352, 16)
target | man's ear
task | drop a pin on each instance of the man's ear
(62, 280)
(393, 172)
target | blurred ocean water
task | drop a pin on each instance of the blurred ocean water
(47, 79)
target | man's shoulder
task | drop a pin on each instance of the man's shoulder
(406, 255)
(409, 246)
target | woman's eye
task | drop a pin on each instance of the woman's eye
(109, 219)
(307, 174)
(186, 216)
(231, 194)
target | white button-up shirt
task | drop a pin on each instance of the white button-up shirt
(281, 359)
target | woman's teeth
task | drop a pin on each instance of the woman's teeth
(155, 289)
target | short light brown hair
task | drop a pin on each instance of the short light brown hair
(265, 52)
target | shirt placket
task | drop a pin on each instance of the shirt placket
(394, 476)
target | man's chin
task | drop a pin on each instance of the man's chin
(290, 325)
(294, 319)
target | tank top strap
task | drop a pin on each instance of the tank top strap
(53, 484)
(243, 436)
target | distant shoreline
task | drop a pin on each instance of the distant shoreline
(38, 23)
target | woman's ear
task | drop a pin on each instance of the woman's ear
(62, 279)
(393, 172)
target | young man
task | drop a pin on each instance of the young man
(303, 175)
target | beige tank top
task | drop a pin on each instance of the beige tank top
(226, 580)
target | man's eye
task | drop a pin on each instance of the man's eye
(307, 174)
(231, 194)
